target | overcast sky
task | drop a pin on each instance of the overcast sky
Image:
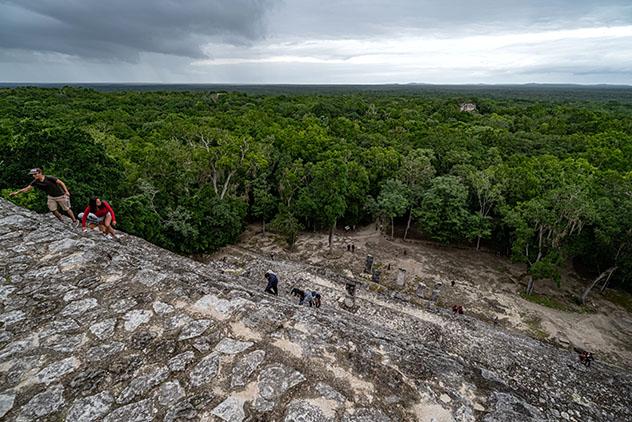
(316, 41)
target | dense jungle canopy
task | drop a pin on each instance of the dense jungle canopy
(545, 180)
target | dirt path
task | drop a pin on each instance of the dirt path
(487, 285)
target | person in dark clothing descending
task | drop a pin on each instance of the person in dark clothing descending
(58, 195)
(99, 213)
(273, 282)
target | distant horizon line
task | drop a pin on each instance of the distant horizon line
(561, 84)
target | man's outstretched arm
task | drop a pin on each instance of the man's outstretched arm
(26, 189)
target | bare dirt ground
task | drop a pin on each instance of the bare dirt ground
(488, 286)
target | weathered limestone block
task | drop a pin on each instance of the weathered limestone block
(170, 392)
(230, 410)
(104, 351)
(303, 411)
(79, 307)
(245, 367)
(194, 329)
(230, 346)
(134, 319)
(63, 343)
(104, 329)
(365, 415)
(401, 277)
(205, 371)
(162, 308)
(6, 403)
(91, 408)
(141, 411)
(56, 370)
(329, 393)
(143, 383)
(274, 381)
(179, 362)
(43, 404)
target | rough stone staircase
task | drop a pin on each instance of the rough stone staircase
(92, 329)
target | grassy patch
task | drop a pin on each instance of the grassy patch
(622, 299)
(535, 328)
(554, 303)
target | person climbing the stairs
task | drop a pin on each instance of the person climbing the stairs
(58, 195)
(273, 281)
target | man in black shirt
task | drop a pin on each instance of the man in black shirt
(58, 195)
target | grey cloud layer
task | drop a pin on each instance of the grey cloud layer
(369, 18)
(120, 29)
(316, 41)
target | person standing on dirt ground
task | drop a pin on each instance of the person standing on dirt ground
(273, 282)
(58, 195)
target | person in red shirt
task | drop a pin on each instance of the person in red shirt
(99, 213)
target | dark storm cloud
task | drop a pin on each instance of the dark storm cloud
(121, 29)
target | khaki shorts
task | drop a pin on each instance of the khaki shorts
(62, 201)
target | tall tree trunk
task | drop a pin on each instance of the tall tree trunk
(530, 285)
(603, 275)
(410, 217)
(478, 243)
(263, 225)
(331, 236)
(392, 228)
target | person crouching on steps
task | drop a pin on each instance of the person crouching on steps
(99, 213)
(273, 282)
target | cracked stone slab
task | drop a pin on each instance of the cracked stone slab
(104, 329)
(149, 278)
(143, 383)
(63, 245)
(303, 411)
(59, 326)
(91, 408)
(79, 307)
(220, 308)
(230, 410)
(231, 346)
(170, 392)
(329, 393)
(123, 305)
(245, 367)
(274, 381)
(17, 347)
(205, 371)
(6, 403)
(43, 404)
(194, 329)
(56, 370)
(178, 321)
(141, 411)
(137, 317)
(5, 291)
(162, 308)
(179, 362)
(104, 350)
(366, 415)
(63, 343)
(10, 318)
(75, 294)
